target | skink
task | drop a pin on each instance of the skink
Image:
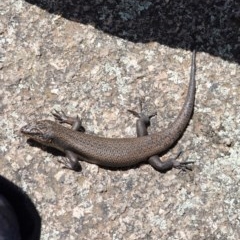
(115, 152)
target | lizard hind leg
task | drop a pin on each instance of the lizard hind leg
(142, 125)
(165, 166)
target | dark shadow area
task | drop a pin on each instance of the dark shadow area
(18, 212)
(47, 149)
(210, 26)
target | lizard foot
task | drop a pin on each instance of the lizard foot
(165, 166)
(183, 166)
(142, 117)
(75, 122)
(74, 166)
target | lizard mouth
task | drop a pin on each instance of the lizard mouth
(24, 129)
(38, 132)
(29, 130)
(33, 132)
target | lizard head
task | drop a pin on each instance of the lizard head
(40, 131)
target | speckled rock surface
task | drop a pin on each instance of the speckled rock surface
(96, 60)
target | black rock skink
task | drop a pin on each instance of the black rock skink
(115, 152)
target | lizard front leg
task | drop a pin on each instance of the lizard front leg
(72, 159)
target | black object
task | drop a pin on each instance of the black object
(19, 218)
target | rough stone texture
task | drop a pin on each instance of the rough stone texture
(95, 59)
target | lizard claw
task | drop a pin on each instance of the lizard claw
(183, 166)
(136, 114)
(140, 113)
(61, 117)
(75, 122)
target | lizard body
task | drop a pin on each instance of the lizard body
(114, 152)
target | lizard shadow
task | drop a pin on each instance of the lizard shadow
(211, 26)
(47, 149)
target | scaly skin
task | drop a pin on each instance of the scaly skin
(113, 152)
